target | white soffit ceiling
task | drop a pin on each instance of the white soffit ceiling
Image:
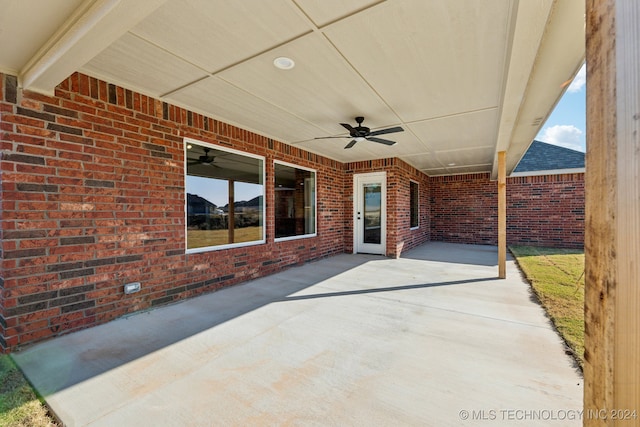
(464, 78)
(23, 32)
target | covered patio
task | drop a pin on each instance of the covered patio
(441, 341)
(109, 107)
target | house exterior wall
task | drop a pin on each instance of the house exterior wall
(541, 210)
(93, 197)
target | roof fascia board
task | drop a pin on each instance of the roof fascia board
(530, 24)
(548, 172)
(86, 33)
(560, 56)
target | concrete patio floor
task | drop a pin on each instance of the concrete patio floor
(430, 339)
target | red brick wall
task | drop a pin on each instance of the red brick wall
(93, 197)
(541, 211)
(546, 210)
(400, 236)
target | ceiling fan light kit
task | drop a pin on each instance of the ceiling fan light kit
(361, 133)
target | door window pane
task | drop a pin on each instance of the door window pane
(372, 213)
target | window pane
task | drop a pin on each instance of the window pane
(415, 197)
(225, 203)
(372, 213)
(295, 201)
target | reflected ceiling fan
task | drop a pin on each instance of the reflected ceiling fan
(361, 133)
(205, 159)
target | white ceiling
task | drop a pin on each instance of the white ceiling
(464, 78)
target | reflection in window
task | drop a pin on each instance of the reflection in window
(295, 201)
(414, 203)
(225, 197)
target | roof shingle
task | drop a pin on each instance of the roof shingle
(542, 156)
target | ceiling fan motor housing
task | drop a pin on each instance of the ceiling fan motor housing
(360, 131)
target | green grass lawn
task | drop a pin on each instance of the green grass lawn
(19, 405)
(556, 276)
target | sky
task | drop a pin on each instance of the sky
(217, 191)
(566, 126)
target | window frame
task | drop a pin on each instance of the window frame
(315, 201)
(417, 202)
(263, 240)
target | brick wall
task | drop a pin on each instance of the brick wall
(546, 210)
(93, 197)
(400, 236)
(541, 210)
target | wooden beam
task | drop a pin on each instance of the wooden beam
(612, 213)
(502, 215)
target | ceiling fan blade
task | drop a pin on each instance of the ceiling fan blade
(348, 127)
(350, 144)
(388, 130)
(380, 140)
(329, 137)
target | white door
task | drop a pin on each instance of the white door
(370, 213)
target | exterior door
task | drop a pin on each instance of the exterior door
(370, 213)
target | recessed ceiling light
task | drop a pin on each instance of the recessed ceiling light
(284, 63)
(451, 164)
(189, 146)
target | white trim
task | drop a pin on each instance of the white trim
(315, 201)
(547, 172)
(262, 241)
(188, 140)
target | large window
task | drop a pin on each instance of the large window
(295, 201)
(225, 197)
(414, 203)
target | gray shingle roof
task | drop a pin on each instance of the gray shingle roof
(543, 157)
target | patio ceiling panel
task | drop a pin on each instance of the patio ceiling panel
(323, 12)
(428, 59)
(461, 131)
(458, 170)
(299, 92)
(424, 162)
(456, 157)
(225, 100)
(216, 35)
(133, 61)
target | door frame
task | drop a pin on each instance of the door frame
(358, 180)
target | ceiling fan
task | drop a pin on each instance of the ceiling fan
(205, 159)
(361, 133)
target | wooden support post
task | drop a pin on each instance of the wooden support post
(612, 214)
(502, 215)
